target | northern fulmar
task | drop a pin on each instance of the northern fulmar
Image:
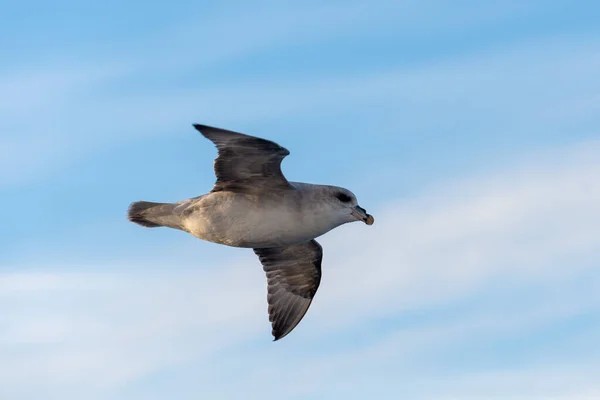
(253, 205)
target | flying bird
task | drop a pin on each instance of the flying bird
(252, 205)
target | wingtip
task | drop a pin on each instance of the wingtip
(199, 127)
(205, 130)
(276, 335)
(279, 335)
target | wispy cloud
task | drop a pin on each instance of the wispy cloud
(563, 382)
(513, 89)
(528, 228)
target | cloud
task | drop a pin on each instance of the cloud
(515, 239)
(513, 224)
(244, 31)
(564, 382)
(57, 117)
(33, 109)
(102, 329)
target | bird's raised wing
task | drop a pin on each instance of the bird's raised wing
(245, 162)
(293, 277)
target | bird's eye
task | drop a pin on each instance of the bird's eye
(343, 197)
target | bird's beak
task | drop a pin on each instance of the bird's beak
(361, 214)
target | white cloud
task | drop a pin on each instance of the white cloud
(229, 32)
(522, 225)
(564, 382)
(55, 118)
(29, 90)
(529, 227)
(35, 107)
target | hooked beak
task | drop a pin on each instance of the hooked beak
(361, 214)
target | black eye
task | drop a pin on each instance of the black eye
(343, 197)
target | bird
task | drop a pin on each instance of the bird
(252, 205)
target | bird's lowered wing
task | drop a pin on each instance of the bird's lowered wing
(293, 277)
(245, 162)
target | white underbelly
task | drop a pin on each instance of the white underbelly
(234, 223)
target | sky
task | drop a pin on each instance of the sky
(470, 130)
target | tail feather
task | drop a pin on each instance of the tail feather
(145, 213)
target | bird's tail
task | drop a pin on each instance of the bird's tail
(152, 215)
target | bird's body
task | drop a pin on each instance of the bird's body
(253, 206)
(252, 220)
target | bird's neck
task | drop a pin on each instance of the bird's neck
(316, 210)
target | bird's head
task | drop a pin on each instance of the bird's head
(344, 202)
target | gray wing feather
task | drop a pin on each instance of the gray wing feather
(245, 162)
(293, 277)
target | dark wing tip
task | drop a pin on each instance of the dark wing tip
(210, 131)
(280, 332)
(205, 129)
(200, 127)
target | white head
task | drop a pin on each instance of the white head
(343, 206)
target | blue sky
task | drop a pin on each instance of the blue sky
(470, 130)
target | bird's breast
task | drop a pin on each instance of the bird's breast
(242, 221)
